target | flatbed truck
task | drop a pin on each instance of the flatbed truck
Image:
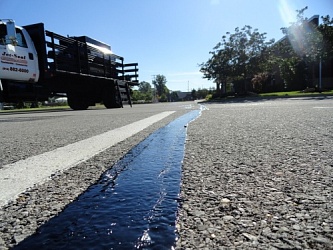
(37, 64)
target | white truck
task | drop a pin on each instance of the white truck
(36, 64)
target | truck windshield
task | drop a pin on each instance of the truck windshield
(19, 36)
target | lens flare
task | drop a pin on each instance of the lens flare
(304, 37)
(287, 12)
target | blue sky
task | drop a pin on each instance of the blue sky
(168, 37)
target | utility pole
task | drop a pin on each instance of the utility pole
(320, 75)
(154, 79)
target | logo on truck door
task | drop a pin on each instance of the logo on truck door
(14, 59)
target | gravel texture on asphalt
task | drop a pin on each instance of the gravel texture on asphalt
(20, 218)
(258, 175)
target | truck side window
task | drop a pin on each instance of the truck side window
(3, 33)
(20, 38)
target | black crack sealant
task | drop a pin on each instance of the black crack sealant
(133, 205)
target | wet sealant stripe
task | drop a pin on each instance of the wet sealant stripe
(132, 206)
(17, 177)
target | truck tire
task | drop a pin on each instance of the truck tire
(77, 101)
(110, 99)
(111, 104)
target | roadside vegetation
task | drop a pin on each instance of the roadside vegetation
(283, 94)
(297, 93)
(246, 64)
(244, 61)
(146, 94)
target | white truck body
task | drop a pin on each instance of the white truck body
(18, 56)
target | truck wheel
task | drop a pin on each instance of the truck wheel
(77, 101)
(110, 100)
(111, 105)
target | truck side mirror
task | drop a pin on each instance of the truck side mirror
(11, 33)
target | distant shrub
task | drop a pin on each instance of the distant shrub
(259, 81)
(209, 97)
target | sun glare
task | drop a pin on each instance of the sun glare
(287, 12)
(304, 38)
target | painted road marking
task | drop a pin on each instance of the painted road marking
(17, 177)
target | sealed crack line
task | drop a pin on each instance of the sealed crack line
(134, 204)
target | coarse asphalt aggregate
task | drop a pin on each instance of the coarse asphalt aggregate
(256, 175)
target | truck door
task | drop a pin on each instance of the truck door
(18, 59)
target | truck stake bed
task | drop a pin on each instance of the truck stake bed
(82, 68)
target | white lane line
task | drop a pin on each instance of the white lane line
(17, 177)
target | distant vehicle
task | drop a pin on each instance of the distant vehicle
(61, 100)
(36, 64)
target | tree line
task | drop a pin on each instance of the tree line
(161, 93)
(147, 94)
(246, 59)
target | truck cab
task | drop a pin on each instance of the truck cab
(18, 56)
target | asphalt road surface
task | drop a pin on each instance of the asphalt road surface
(257, 174)
(27, 134)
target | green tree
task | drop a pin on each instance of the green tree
(202, 93)
(218, 67)
(161, 89)
(194, 94)
(163, 98)
(307, 44)
(145, 92)
(305, 38)
(237, 57)
(137, 95)
(145, 87)
(326, 29)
